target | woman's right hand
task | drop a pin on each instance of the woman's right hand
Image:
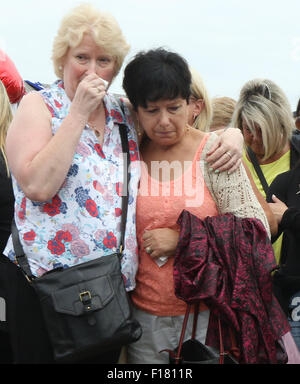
(160, 242)
(88, 96)
(226, 152)
(278, 208)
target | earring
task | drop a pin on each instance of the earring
(195, 116)
(60, 68)
(138, 130)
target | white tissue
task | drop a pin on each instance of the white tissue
(160, 261)
(105, 82)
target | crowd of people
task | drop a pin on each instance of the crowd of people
(61, 181)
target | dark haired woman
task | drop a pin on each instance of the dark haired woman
(174, 177)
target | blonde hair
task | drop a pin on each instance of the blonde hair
(199, 91)
(103, 27)
(223, 108)
(262, 103)
(5, 120)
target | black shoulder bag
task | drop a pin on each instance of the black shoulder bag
(86, 307)
(258, 170)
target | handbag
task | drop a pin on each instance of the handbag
(192, 351)
(86, 307)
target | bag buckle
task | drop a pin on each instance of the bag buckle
(86, 298)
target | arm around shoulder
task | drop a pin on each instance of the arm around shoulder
(233, 192)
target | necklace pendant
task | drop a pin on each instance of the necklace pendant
(95, 130)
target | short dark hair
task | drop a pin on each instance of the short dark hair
(154, 75)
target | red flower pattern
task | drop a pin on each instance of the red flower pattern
(99, 150)
(134, 156)
(29, 236)
(22, 211)
(117, 115)
(110, 240)
(52, 209)
(119, 188)
(118, 212)
(61, 235)
(56, 247)
(91, 207)
(57, 104)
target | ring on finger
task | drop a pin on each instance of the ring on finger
(228, 153)
(148, 250)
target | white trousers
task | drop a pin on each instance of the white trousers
(162, 332)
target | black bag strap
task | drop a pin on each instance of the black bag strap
(195, 320)
(19, 252)
(233, 350)
(126, 181)
(258, 170)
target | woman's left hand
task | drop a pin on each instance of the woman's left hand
(161, 242)
(226, 152)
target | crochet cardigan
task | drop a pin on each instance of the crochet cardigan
(232, 193)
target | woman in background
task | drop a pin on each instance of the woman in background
(225, 153)
(284, 201)
(223, 108)
(6, 215)
(264, 115)
(200, 107)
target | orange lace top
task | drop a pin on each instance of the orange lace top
(159, 205)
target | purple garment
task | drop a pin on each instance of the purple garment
(227, 262)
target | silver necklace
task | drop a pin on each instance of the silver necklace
(94, 128)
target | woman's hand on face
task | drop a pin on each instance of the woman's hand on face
(160, 242)
(278, 208)
(226, 152)
(89, 94)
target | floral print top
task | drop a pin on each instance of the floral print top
(82, 222)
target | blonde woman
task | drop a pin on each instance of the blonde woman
(200, 106)
(64, 152)
(6, 215)
(264, 115)
(224, 154)
(223, 108)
